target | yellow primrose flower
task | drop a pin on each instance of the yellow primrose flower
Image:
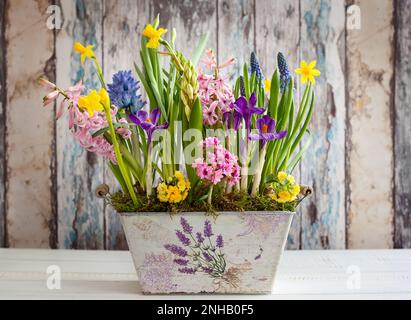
(162, 192)
(181, 185)
(308, 71)
(185, 194)
(91, 103)
(162, 188)
(282, 176)
(154, 36)
(85, 52)
(284, 196)
(174, 194)
(295, 190)
(163, 197)
(267, 86)
(291, 179)
(179, 175)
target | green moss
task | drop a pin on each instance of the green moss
(221, 202)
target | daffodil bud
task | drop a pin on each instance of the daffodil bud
(105, 99)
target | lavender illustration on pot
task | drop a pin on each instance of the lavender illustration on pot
(199, 252)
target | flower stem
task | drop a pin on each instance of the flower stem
(244, 167)
(99, 73)
(210, 194)
(149, 181)
(257, 176)
(119, 157)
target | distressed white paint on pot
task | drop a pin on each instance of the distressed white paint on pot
(192, 252)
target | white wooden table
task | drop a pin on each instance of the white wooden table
(362, 274)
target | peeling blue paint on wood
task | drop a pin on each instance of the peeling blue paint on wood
(323, 220)
(81, 214)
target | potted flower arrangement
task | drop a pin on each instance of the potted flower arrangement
(206, 194)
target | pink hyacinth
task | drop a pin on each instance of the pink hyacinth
(82, 125)
(219, 165)
(215, 94)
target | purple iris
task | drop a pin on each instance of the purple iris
(245, 110)
(148, 122)
(266, 128)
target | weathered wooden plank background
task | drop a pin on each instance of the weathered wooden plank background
(370, 78)
(359, 163)
(402, 132)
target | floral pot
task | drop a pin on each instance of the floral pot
(197, 253)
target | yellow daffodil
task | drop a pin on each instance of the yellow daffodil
(267, 86)
(91, 103)
(308, 71)
(154, 36)
(282, 176)
(85, 52)
(104, 97)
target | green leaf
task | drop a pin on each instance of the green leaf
(237, 88)
(293, 163)
(274, 94)
(246, 81)
(270, 179)
(147, 87)
(305, 125)
(196, 122)
(117, 174)
(115, 125)
(199, 49)
(196, 117)
(284, 113)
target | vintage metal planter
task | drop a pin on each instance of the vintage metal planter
(195, 253)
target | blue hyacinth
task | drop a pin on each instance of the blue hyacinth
(285, 74)
(123, 92)
(255, 67)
